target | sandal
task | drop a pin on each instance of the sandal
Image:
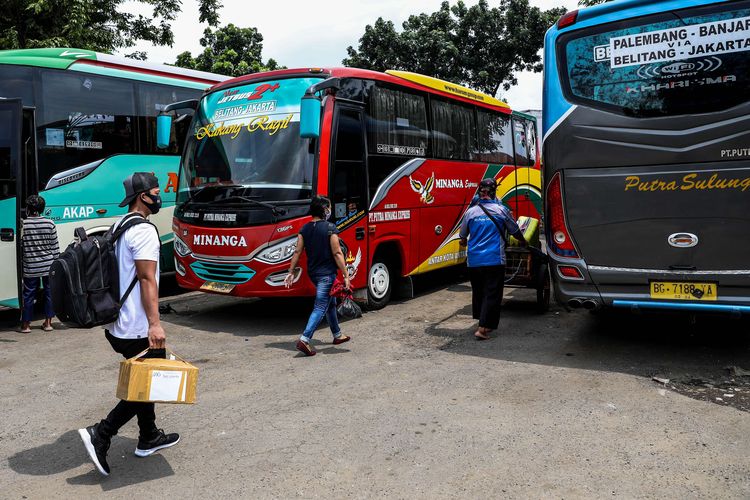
(25, 330)
(47, 328)
(305, 348)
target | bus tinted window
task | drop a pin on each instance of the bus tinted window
(689, 61)
(524, 141)
(83, 118)
(397, 123)
(495, 140)
(348, 194)
(16, 81)
(8, 152)
(151, 100)
(453, 130)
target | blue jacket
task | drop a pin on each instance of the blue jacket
(486, 245)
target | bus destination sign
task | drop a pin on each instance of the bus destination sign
(685, 42)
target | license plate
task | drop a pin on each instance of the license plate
(213, 286)
(683, 290)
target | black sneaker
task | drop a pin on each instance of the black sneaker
(161, 441)
(96, 446)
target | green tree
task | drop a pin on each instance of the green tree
(92, 24)
(480, 46)
(230, 50)
(589, 3)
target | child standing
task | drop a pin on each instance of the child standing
(40, 247)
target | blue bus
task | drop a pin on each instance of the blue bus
(647, 155)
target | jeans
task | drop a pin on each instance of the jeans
(487, 294)
(325, 305)
(30, 286)
(126, 410)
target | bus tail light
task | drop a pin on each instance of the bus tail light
(560, 241)
(567, 19)
(570, 272)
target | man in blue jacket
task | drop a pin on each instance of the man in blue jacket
(483, 230)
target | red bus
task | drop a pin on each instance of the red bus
(399, 155)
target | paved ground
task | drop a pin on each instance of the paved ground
(559, 406)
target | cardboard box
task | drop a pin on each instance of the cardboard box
(153, 380)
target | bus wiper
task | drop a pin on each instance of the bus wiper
(194, 194)
(274, 209)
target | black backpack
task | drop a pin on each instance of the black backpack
(85, 281)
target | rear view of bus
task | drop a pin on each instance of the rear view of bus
(647, 155)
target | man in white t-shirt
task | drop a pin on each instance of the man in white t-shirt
(138, 327)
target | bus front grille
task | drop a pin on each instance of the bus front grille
(234, 274)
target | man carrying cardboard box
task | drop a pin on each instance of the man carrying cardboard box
(137, 327)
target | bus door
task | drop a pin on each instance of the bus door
(11, 119)
(348, 188)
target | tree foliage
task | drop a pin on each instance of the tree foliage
(100, 25)
(589, 3)
(230, 50)
(480, 46)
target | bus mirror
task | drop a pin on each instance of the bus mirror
(309, 120)
(163, 131)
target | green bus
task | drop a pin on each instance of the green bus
(73, 124)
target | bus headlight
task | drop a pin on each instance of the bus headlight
(180, 247)
(279, 252)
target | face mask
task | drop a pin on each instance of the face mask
(327, 214)
(154, 205)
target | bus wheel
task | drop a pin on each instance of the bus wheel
(543, 291)
(379, 285)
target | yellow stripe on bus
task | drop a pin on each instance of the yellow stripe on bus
(448, 87)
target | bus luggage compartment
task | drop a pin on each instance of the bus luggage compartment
(675, 218)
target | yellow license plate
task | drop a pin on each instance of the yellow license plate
(213, 286)
(683, 290)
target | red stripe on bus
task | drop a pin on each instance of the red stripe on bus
(145, 71)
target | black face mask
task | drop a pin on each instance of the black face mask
(154, 205)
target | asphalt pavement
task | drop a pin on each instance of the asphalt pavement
(560, 405)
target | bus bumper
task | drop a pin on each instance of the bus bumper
(601, 287)
(257, 280)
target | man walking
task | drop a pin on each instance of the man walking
(483, 229)
(138, 326)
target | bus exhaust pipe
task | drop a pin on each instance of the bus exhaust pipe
(575, 303)
(590, 304)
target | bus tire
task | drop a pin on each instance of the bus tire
(379, 284)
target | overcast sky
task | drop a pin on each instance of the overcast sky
(309, 34)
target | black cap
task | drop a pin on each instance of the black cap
(138, 183)
(488, 184)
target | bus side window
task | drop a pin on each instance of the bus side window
(151, 100)
(453, 130)
(82, 118)
(531, 139)
(396, 131)
(397, 123)
(520, 142)
(495, 140)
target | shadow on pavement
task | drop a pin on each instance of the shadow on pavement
(241, 316)
(125, 471)
(695, 353)
(67, 453)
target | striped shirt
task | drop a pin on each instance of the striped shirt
(39, 245)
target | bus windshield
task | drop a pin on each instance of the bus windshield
(245, 143)
(674, 63)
